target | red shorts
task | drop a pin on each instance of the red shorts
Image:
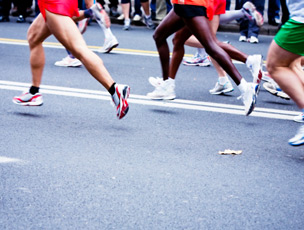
(219, 7)
(63, 7)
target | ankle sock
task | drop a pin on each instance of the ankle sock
(33, 90)
(242, 86)
(223, 79)
(112, 89)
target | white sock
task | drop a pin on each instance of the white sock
(249, 60)
(242, 86)
(202, 52)
(223, 79)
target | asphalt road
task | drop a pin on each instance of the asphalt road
(70, 164)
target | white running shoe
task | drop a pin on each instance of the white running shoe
(127, 24)
(219, 89)
(255, 65)
(299, 118)
(68, 62)
(155, 81)
(28, 99)
(109, 44)
(252, 14)
(249, 97)
(101, 15)
(242, 38)
(197, 60)
(82, 25)
(253, 40)
(298, 139)
(165, 91)
(273, 88)
(136, 18)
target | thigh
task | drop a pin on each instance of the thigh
(65, 30)
(38, 31)
(279, 57)
(169, 25)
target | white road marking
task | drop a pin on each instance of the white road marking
(8, 160)
(143, 100)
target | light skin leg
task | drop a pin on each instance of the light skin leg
(67, 33)
(286, 73)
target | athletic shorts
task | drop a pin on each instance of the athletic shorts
(63, 7)
(219, 7)
(291, 37)
(189, 11)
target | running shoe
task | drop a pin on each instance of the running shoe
(109, 44)
(219, 89)
(273, 88)
(253, 40)
(249, 97)
(197, 60)
(28, 99)
(149, 23)
(165, 91)
(298, 139)
(136, 18)
(299, 118)
(254, 63)
(127, 24)
(252, 14)
(155, 81)
(242, 38)
(266, 76)
(101, 15)
(120, 97)
(68, 62)
(82, 25)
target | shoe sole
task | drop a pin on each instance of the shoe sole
(196, 64)
(112, 47)
(27, 103)
(275, 93)
(125, 94)
(223, 91)
(252, 106)
(296, 143)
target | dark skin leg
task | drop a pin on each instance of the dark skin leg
(200, 28)
(169, 25)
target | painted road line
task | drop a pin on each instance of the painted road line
(8, 160)
(143, 100)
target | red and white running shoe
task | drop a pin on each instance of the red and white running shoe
(28, 99)
(119, 98)
(101, 15)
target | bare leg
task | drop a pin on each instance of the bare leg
(37, 33)
(200, 27)
(284, 73)
(67, 33)
(170, 24)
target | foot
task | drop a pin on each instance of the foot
(109, 44)
(219, 89)
(252, 14)
(299, 118)
(82, 25)
(101, 15)
(164, 91)
(149, 23)
(253, 40)
(4, 19)
(273, 88)
(21, 19)
(120, 97)
(28, 99)
(249, 97)
(127, 24)
(243, 38)
(155, 81)
(254, 64)
(68, 62)
(197, 60)
(298, 139)
(136, 18)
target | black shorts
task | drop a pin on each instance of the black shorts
(189, 11)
